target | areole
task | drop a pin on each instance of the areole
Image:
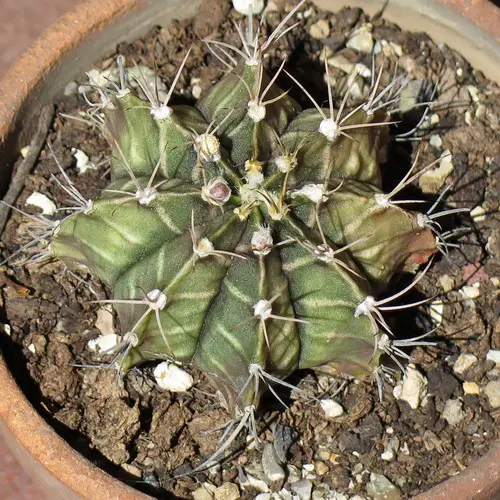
(92, 29)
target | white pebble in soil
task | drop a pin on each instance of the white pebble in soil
(453, 412)
(264, 496)
(470, 292)
(463, 363)
(320, 30)
(172, 378)
(41, 201)
(228, 491)
(436, 311)
(243, 6)
(331, 408)
(414, 386)
(391, 449)
(204, 492)
(255, 483)
(436, 141)
(492, 391)
(361, 39)
(104, 342)
(303, 489)
(432, 180)
(493, 355)
(478, 214)
(83, 163)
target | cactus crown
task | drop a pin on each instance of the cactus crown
(246, 236)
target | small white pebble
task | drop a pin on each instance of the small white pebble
(434, 119)
(202, 493)
(24, 151)
(31, 348)
(340, 62)
(83, 163)
(103, 342)
(172, 378)
(446, 282)
(196, 91)
(6, 329)
(414, 386)
(253, 482)
(478, 214)
(331, 408)
(396, 392)
(398, 50)
(460, 72)
(362, 71)
(470, 292)
(493, 355)
(432, 180)
(320, 30)
(436, 310)
(242, 6)
(495, 281)
(468, 117)
(435, 141)
(404, 449)
(306, 14)
(453, 412)
(474, 92)
(463, 363)
(388, 456)
(492, 391)
(264, 496)
(431, 121)
(71, 88)
(389, 430)
(41, 201)
(361, 39)
(480, 111)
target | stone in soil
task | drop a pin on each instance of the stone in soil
(380, 488)
(303, 488)
(228, 491)
(453, 412)
(463, 363)
(272, 469)
(492, 391)
(414, 387)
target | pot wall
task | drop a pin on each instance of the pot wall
(54, 58)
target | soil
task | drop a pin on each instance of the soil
(145, 435)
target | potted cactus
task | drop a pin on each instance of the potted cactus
(245, 236)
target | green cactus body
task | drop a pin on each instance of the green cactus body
(225, 250)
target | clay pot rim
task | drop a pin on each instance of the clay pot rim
(17, 415)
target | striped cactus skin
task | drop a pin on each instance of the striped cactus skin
(242, 232)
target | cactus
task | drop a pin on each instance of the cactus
(245, 236)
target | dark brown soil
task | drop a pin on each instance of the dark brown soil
(145, 435)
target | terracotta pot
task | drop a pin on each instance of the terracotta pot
(65, 51)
